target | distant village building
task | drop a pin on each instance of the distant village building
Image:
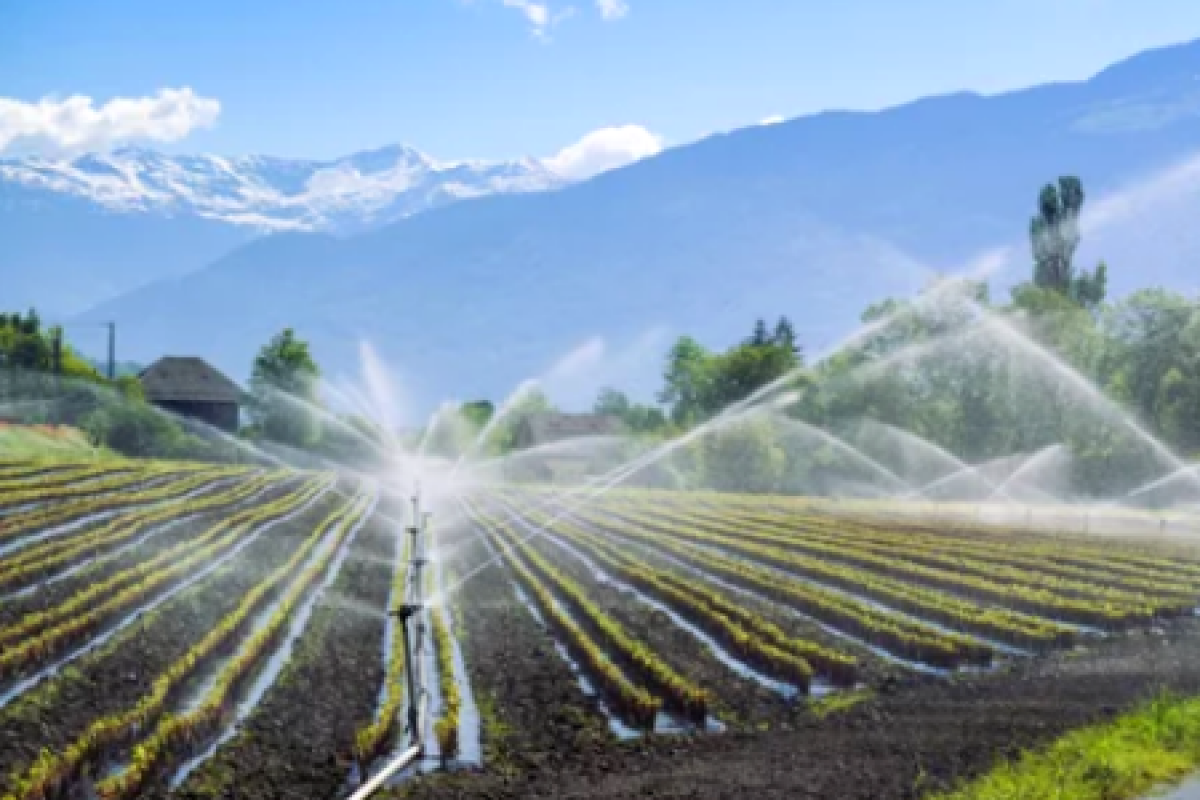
(192, 388)
(560, 465)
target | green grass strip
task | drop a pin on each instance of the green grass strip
(1122, 759)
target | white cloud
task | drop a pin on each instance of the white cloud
(612, 9)
(75, 124)
(604, 149)
(538, 14)
(774, 119)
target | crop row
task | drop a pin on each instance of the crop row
(46, 494)
(1009, 627)
(1071, 548)
(446, 727)
(182, 735)
(445, 730)
(943, 570)
(56, 774)
(911, 640)
(631, 702)
(37, 479)
(372, 741)
(838, 667)
(678, 693)
(45, 516)
(40, 637)
(755, 640)
(1026, 599)
(32, 565)
(997, 623)
(1060, 560)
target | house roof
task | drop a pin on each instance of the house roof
(187, 379)
(548, 428)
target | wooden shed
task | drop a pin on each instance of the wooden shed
(192, 388)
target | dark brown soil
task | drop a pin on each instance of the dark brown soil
(113, 678)
(297, 742)
(536, 716)
(907, 741)
(737, 700)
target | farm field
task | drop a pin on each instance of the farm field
(209, 631)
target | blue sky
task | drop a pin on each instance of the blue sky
(478, 78)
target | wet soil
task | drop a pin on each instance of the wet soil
(536, 718)
(913, 737)
(737, 700)
(298, 741)
(113, 678)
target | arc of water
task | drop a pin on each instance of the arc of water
(844, 447)
(518, 394)
(1028, 465)
(1089, 390)
(1186, 472)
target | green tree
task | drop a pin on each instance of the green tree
(284, 390)
(1054, 237)
(636, 417)
(478, 413)
(686, 382)
(743, 457)
(1054, 234)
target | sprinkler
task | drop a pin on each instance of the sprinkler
(404, 613)
(412, 607)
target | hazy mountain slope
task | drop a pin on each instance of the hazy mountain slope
(813, 218)
(104, 224)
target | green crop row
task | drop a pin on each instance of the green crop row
(1111, 551)
(446, 727)
(45, 494)
(1019, 598)
(372, 741)
(40, 637)
(910, 640)
(678, 693)
(630, 701)
(1010, 627)
(183, 734)
(759, 643)
(57, 774)
(38, 479)
(1081, 573)
(16, 525)
(32, 565)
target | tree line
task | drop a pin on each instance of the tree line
(978, 378)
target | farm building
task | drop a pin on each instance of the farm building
(190, 387)
(537, 430)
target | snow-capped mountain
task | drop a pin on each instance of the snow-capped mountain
(346, 195)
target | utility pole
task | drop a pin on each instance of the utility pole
(56, 346)
(112, 350)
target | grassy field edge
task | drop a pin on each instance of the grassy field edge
(1127, 757)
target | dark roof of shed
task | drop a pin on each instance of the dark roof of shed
(187, 379)
(547, 428)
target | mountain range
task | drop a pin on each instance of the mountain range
(815, 217)
(136, 215)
